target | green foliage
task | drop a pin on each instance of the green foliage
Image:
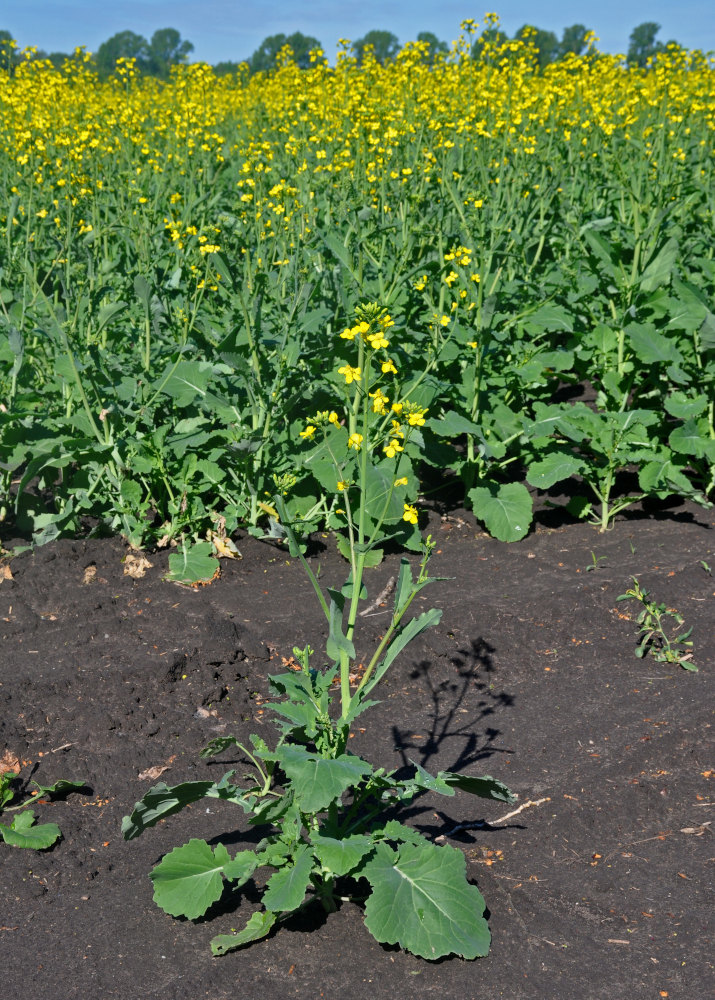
(193, 563)
(22, 831)
(156, 392)
(325, 837)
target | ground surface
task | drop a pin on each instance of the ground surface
(602, 891)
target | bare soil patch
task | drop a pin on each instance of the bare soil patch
(604, 890)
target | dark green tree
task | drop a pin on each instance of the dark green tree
(384, 44)
(545, 43)
(167, 49)
(642, 44)
(265, 58)
(573, 40)
(225, 67)
(302, 45)
(58, 59)
(436, 47)
(8, 54)
(123, 45)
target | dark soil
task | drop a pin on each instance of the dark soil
(603, 890)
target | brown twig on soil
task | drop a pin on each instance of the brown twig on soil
(481, 823)
(384, 593)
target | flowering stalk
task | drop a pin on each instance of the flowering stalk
(372, 434)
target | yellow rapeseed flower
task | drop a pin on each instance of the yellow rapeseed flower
(410, 514)
(351, 374)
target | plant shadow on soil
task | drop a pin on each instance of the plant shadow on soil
(530, 676)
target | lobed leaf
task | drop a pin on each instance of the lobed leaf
(286, 888)
(422, 901)
(506, 510)
(318, 781)
(189, 879)
(343, 855)
(23, 833)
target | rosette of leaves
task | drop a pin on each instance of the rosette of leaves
(324, 809)
(327, 841)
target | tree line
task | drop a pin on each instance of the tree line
(166, 48)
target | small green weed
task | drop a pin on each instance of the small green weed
(595, 560)
(653, 637)
(22, 832)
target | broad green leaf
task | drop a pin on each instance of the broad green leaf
(484, 786)
(548, 420)
(286, 888)
(142, 290)
(651, 346)
(423, 779)
(403, 590)
(691, 438)
(422, 901)
(107, 313)
(399, 833)
(707, 333)
(379, 481)
(341, 856)
(680, 405)
(61, 787)
(660, 268)
(218, 745)
(373, 557)
(185, 381)
(223, 268)
(193, 563)
(602, 250)
(162, 801)
(189, 879)
(445, 782)
(553, 469)
(318, 781)
(337, 642)
(257, 927)
(300, 715)
(506, 510)
(209, 471)
(549, 317)
(338, 248)
(23, 833)
(663, 478)
(131, 493)
(452, 424)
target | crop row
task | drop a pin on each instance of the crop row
(181, 266)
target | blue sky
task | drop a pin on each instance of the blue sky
(233, 29)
